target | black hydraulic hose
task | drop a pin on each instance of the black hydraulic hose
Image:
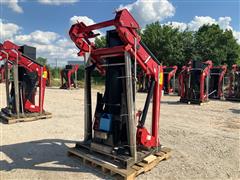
(146, 106)
(149, 52)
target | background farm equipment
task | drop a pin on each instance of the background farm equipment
(194, 82)
(21, 86)
(67, 76)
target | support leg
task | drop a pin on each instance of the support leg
(16, 88)
(7, 82)
(156, 110)
(87, 102)
(130, 107)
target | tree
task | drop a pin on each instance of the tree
(187, 38)
(80, 73)
(100, 42)
(55, 72)
(213, 43)
(42, 60)
(166, 43)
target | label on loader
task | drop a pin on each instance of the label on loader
(45, 74)
(161, 78)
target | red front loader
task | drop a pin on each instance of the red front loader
(28, 75)
(115, 131)
(194, 82)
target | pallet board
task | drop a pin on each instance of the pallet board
(27, 118)
(105, 167)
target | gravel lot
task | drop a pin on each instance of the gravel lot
(205, 140)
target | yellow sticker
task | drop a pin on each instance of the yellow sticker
(45, 74)
(161, 78)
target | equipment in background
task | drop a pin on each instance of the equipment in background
(2, 71)
(22, 81)
(183, 80)
(143, 81)
(67, 76)
(194, 82)
(2, 74)
(114, 133)
(217, 82)
(234, 84)
(169, 79)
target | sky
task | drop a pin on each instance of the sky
(45, 23)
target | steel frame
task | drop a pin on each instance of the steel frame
(11, 54)
(185, 74)
(220, 93)
(170, 75)
(133, 48)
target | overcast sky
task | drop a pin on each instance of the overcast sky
(45, 23)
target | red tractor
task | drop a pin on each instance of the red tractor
(194, 82)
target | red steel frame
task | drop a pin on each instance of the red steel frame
(221, 79)
(70, 72)
(11, 53)
(183, 75)
(205, 73)
(127, 27)
(170, 75)
(184, 94)
(235, 69)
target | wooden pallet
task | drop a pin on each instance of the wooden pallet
(131, 173)
(27, 118)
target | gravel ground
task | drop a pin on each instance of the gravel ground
(205, 140)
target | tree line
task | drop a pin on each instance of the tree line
(174, 47)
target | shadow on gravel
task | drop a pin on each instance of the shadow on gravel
(47, 155)
(237, 111)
